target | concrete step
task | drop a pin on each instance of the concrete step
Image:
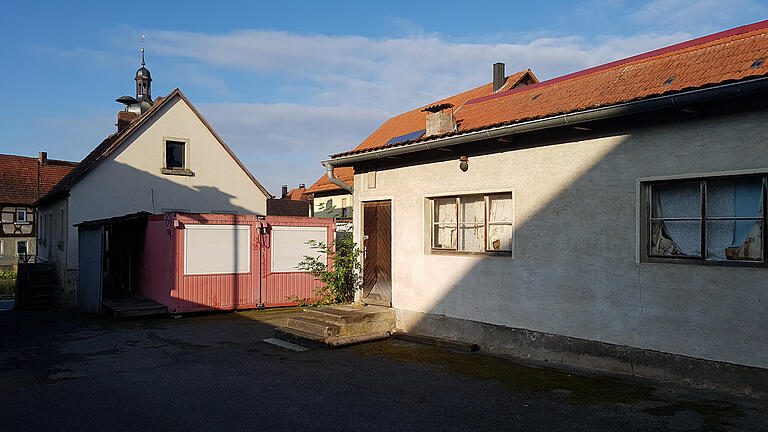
(300, 338)
(350, 314)
(308, 325)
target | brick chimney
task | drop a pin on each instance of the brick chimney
(124, 119)
(285, 191)
(42, 158)
(440, 119)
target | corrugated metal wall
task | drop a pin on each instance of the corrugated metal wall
(164, 281)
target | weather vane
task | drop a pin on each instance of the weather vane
(142, 50)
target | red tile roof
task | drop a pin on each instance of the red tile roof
(415, 120)
(18, 178)
(113, 142)
(297, 194)
(715, 59)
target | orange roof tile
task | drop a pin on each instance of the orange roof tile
(714, 59)
(18, 178)
(415, 120)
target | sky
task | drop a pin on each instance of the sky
(285, 84)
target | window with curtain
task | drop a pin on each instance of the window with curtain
(708, 220)
(473, 223)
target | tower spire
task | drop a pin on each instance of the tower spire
(142, 51)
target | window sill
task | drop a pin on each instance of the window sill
(701, 262)
(179, 172)
(468, 253)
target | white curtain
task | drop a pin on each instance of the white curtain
(678, 200)
(734, 198)
(500, 216)
(445, 223)
(472, 226)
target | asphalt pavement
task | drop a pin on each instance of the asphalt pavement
(65, 371)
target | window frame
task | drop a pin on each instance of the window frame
(18, 221)
(486, 216)
(26, 247)
(703, 219)
(185, 169)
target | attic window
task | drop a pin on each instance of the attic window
(176, 157)
(757, 63)
(669, 80)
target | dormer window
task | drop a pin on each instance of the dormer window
(176, 153)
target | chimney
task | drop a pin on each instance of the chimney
(285, 191)
(498, 76)
(302, 186)
(124, 119)
(440, 121)
(42, 158)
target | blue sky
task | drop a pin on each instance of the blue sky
(287, 83)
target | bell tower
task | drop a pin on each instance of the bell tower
(143, 82)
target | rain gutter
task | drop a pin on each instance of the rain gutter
(677, 100)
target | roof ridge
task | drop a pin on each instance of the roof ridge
(642, 56)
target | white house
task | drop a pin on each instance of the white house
(164, 157)
(613, 218)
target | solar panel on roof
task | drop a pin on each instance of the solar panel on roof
(757, 63)
(407, 137)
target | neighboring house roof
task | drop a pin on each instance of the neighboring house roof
(345, 174)
(18, 178)
(297, 194)
(413, 121)
(715, 59)
(114, 141)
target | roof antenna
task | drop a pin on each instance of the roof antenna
(142, 50)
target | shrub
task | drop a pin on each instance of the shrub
(341, 278)
(7, 274)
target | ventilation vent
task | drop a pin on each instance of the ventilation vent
(536, 97)
(757, 63)
(669, 80)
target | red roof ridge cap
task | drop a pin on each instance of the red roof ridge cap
(657, 52)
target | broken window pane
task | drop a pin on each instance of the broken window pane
(472, 223)
(676, 238)
(500, 227)
(444, 234)
(722, 245)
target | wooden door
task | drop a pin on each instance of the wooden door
(377, 253)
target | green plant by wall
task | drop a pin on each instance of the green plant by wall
(7, 274)
(341, 278)
(7, 284)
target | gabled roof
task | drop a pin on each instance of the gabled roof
(415, 120)
(719, 58)
(114, 141)
(297, 194)
(18, 178)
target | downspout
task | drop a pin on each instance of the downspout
(348, 187)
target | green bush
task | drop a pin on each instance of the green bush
(340, 279)
(7, 287)
(7, 274)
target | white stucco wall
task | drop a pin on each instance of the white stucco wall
(338, 202)
(574, 271)
(130, 180)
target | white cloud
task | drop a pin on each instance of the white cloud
(706, 15)
(355, 83)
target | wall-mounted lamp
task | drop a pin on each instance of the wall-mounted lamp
(464, 163)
